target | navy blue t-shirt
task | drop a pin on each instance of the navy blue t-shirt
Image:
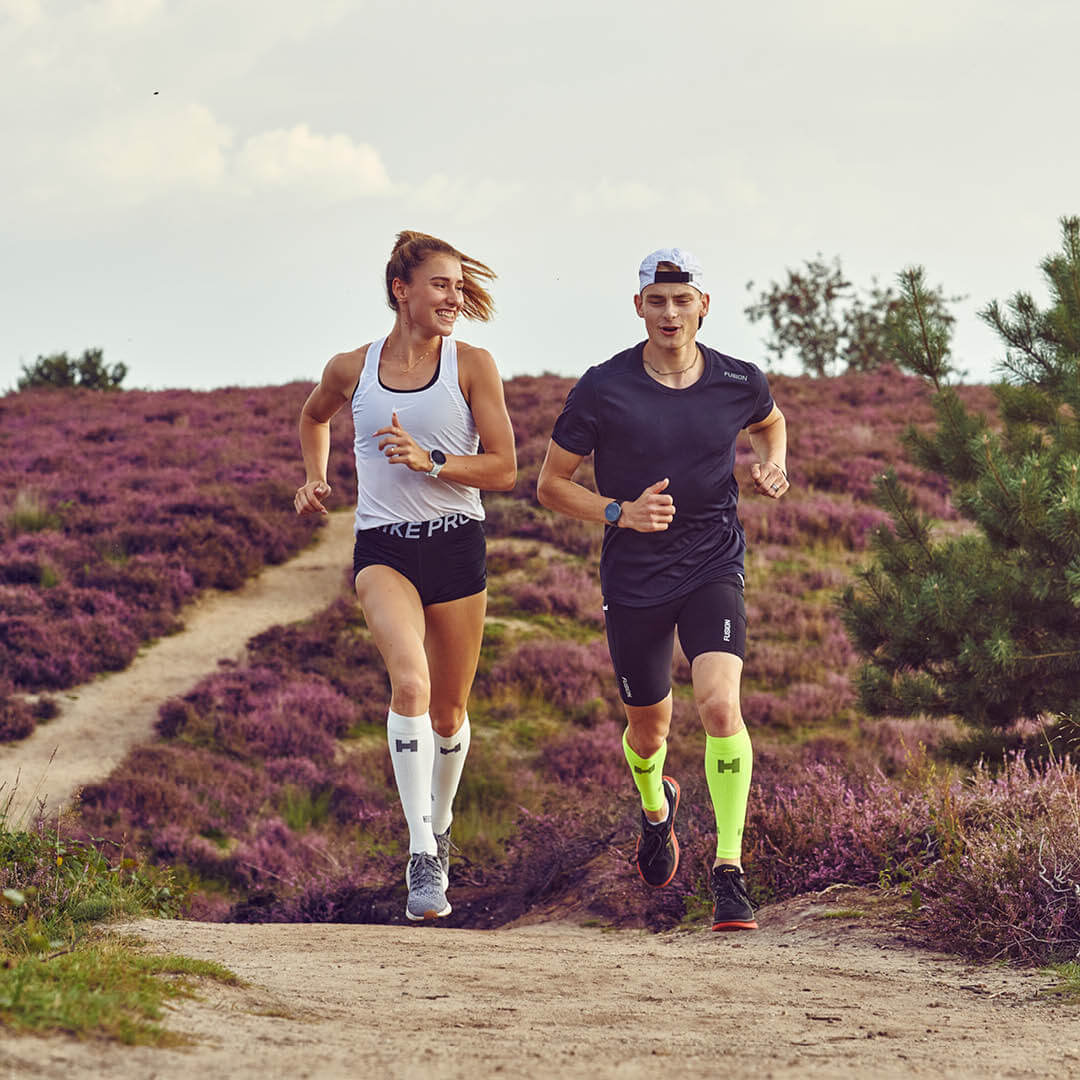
(640, 431)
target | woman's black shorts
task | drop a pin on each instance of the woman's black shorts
(642, 639)
(445, 558)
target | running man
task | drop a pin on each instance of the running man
(661, 420)
(422, 405)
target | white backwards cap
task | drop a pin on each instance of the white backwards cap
(689, 271)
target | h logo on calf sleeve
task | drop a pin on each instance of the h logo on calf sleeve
(453, 749)
(728, 766)
(412, 744)
(644, 771)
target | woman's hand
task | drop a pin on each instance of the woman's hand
(400, 448)
(308, 498)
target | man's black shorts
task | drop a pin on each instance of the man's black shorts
(642, 639)
(445, 559)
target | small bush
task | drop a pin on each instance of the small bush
(59, 371)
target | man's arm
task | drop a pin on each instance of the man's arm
(556, 489)
(768, 437)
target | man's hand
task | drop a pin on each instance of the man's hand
(650, 511)
(308, 498)
(769, 479)
(400, 449)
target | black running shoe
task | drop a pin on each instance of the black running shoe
(733, 910)
(657, 849)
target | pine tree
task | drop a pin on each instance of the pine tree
(984, 625)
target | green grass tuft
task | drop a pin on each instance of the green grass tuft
(1068, 985)
(30, 513)
(100, 988)
(58, 971)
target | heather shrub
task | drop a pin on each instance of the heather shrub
(17, 718)
(513, 517)
(166, 784)
(175, 491)
(255, 714)
(838, 520)
(831, 827)
(589, 758)
(502, 558)
(560, 589)
(1008, 884)
(297, 771)
(570, 677)
(333, 645)
(272, 857)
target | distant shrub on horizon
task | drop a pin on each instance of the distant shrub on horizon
(58, 371)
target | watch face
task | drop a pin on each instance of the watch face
(438, 457)
(612, 512)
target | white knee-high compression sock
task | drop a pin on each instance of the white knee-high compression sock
(446, 774)
(412, 748)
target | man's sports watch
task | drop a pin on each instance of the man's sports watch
(438, 460)
(612, 512)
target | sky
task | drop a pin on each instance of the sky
(209, 190)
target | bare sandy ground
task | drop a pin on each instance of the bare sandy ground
(101, 720)
(802, 997)
(809, 995)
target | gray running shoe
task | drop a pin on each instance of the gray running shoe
(427, 889)
(443, 842)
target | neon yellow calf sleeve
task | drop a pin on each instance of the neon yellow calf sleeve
(729, 761)
(648, 775)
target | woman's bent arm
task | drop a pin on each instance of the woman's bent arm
(323, 402)
(496, 468)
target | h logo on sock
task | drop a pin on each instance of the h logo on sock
(413, 745)
(728, 766)
(453, 749)
(643, 772)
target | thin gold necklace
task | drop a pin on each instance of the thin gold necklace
(406, 367)
(679, 372)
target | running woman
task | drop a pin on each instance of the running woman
(422, 405)
(661, 420)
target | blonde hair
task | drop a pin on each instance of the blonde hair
(412, 248)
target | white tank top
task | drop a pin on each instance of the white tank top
(438, 418)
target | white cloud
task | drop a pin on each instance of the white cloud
(122, 13)
(81, 18)
(155, 149)
(332, 165)
(159, 150)
(21, 12)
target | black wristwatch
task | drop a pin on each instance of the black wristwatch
(612, 512)
(438, 460)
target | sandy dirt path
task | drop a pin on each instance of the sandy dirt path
(101, 720)
(802, 997)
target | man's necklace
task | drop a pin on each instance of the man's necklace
(678, 372)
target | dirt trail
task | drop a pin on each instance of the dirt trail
(802, 997)
(101, 720)
(809, 995)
